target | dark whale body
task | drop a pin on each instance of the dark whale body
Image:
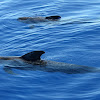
(32, 61)
(38, 19)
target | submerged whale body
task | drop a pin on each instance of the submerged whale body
(32, 61)
(39, 19)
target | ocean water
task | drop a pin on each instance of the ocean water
(74, 39)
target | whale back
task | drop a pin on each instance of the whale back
(53, 17)
(33, 56)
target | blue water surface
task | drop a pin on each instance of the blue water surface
(69, 40)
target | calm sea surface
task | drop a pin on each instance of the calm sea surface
(74, 39)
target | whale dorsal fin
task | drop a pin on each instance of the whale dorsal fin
(33, 56)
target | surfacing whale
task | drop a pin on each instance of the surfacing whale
(32, 61)
(39, 19)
